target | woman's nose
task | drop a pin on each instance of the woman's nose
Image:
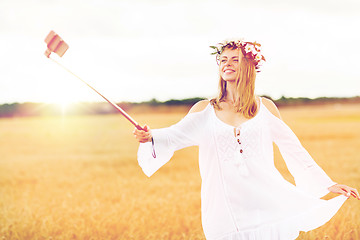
(228, 63)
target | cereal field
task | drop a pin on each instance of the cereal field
(76, 177)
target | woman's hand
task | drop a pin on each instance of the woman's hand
(345, 190)
(143, 136)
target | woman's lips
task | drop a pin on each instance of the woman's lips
(229, 71)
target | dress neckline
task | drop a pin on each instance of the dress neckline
(244, 123)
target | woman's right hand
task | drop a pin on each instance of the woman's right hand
(143, 136)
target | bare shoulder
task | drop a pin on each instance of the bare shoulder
(270, 105)
(199, 106)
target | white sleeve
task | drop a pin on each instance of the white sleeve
(183, 134)
(308, 176)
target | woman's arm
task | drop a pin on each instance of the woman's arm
(307, 174)
(185, 133)
(145, 135)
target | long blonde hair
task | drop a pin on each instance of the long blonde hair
(245, 102)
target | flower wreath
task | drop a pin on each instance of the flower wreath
(250, 50)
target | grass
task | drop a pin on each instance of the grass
(78, 178)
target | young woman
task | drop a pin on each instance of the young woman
(243, 196)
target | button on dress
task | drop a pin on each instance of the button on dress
(243, 195)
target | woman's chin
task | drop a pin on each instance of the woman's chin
(229, 79)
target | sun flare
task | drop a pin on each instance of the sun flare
(62, 100)
(63, 93)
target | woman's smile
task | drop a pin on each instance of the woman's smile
(228, 71)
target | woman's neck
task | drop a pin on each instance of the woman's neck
(230, 92)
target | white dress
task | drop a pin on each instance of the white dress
(243, 196)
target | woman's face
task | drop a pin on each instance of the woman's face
(229, 64)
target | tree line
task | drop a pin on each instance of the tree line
(90, 108)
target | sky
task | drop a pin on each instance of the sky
(136, 50)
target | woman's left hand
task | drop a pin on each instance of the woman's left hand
(345, 190)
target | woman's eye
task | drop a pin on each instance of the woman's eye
(236, 60)
(223, 60)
